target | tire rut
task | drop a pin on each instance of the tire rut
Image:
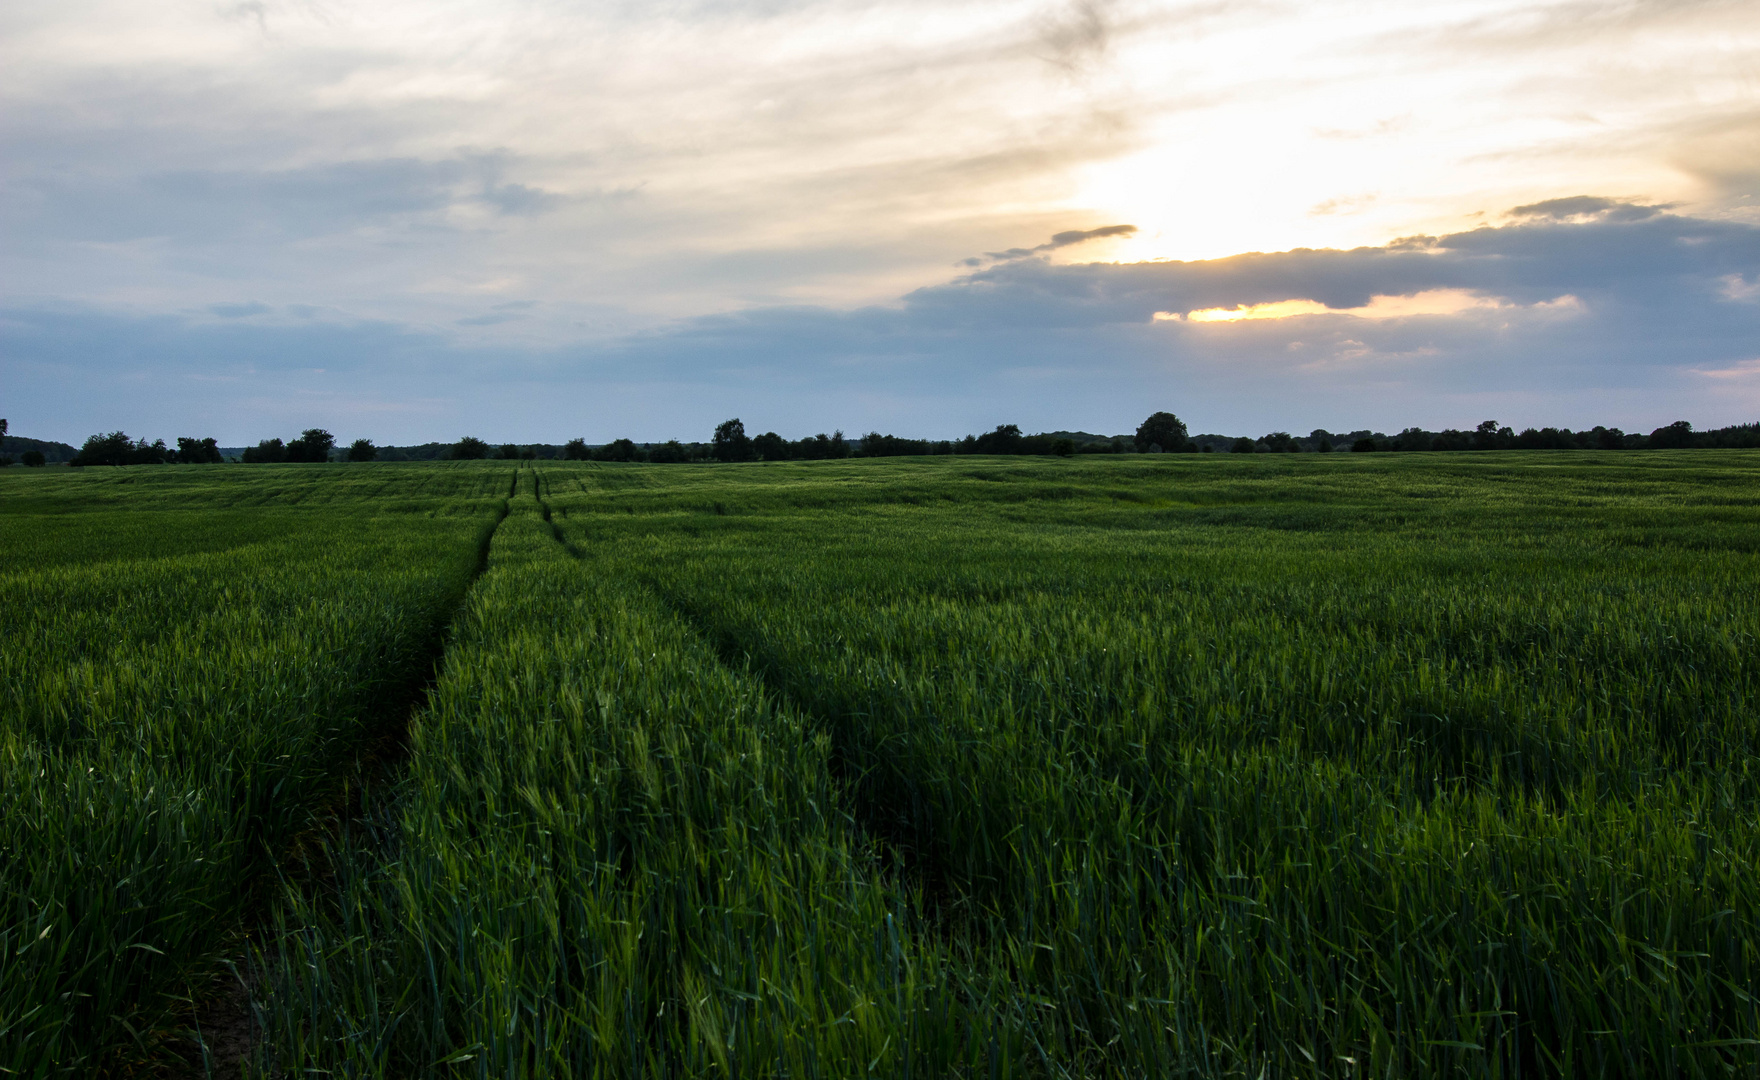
(222, 1027)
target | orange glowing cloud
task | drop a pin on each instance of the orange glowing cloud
(1428, 302)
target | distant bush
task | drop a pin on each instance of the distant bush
(312, 446)
(116, 448)
(620, 450)
(470, 449)
(671, 452)
(192, 451)
(1676, 436)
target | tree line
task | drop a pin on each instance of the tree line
(1161, 432)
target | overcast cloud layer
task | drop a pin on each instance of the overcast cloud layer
(529, 222)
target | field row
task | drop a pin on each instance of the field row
(1119, 767)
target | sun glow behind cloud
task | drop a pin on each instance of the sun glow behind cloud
(1376, 120)
(1427, 302)
(554, 181)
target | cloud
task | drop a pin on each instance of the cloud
(1058, 240)
(520, 199)
(1626, 318)
(239, 311)
(1568, 313)
(1578, 208)
(206, 206)
(1736, 287)
(1077, 35)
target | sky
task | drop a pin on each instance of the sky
(532, 221)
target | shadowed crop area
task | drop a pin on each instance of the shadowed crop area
(1348, 765)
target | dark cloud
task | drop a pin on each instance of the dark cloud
(1587, 208)
(1593, 300)
(1602, 315)
(1058, 240)
(522, 200)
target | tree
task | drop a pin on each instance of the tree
(1281, 442)
(1488, 436)
(618, 450)
(469, 449)
(312, 446)
(3, 427)
(1162, 429)
(1676, 436)
(1006, 439)
(33, 459)
(362, 450)
(1242, 445)
(1413, 438)
(114, 448)
(671, 452)
(1364, 446)
(509, 452)
(197, 451)
(1064, 447)
(266, 452)
(731, 443)
(575, 450)
(771, 446)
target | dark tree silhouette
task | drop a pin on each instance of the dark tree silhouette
(575, 450)
(362, 450)
(267, 452)
(509, 452)
(469, 449)
(731, 443)
(1162, 429)
(670, 452)
(117, 449)
(32, 459)
(770, 446)
(1281, 442)
(1676, 436)
(1006, 439)
(619, 450)
(198, 451)
(313, 446)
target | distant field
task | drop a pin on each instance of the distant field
(1348, 765)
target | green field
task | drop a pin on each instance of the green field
(1146, 765)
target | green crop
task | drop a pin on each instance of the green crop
(184, 679)
(1356, 765)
